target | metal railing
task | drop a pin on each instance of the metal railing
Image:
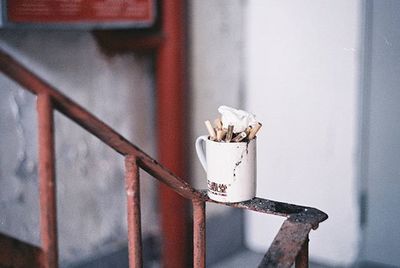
(289, 246)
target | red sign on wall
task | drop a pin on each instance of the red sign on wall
(81, 12)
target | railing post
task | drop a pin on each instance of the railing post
(199, 234)
(133, 202)
(302, 257)
(47, 182)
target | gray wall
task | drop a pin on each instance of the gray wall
(216, 64)
(381, 140)
(91, 200)
(216, 78)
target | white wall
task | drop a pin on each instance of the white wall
(302, 80)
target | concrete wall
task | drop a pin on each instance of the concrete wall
(91, 200)
(302, 78)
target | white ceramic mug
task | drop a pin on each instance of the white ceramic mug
(230, 167)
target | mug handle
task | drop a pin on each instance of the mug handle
(200, 152)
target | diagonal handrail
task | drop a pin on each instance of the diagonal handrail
(290, 245)
(31, 82)
(13, 251)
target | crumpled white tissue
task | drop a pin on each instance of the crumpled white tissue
(238, 118)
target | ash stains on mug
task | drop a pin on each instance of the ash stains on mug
(240, 160)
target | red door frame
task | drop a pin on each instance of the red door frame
(170, 84)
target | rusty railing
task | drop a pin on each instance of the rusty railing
(289, 246)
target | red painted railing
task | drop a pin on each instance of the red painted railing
(290, 245)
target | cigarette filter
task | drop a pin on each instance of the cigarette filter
(220, 134)
(248, 130)
(254, 130)
(210, 130)
(229, 134)
(240, 136)
(218, 123)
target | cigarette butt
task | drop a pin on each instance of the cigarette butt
(229, 134)
(248, 130)
(240, 136)
(210, 130)
(254, 130)
(218, 123)
(220, 134)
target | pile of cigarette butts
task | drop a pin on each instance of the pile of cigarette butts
(233, 126)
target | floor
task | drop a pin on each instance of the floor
(243, 259)
(247, 258)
